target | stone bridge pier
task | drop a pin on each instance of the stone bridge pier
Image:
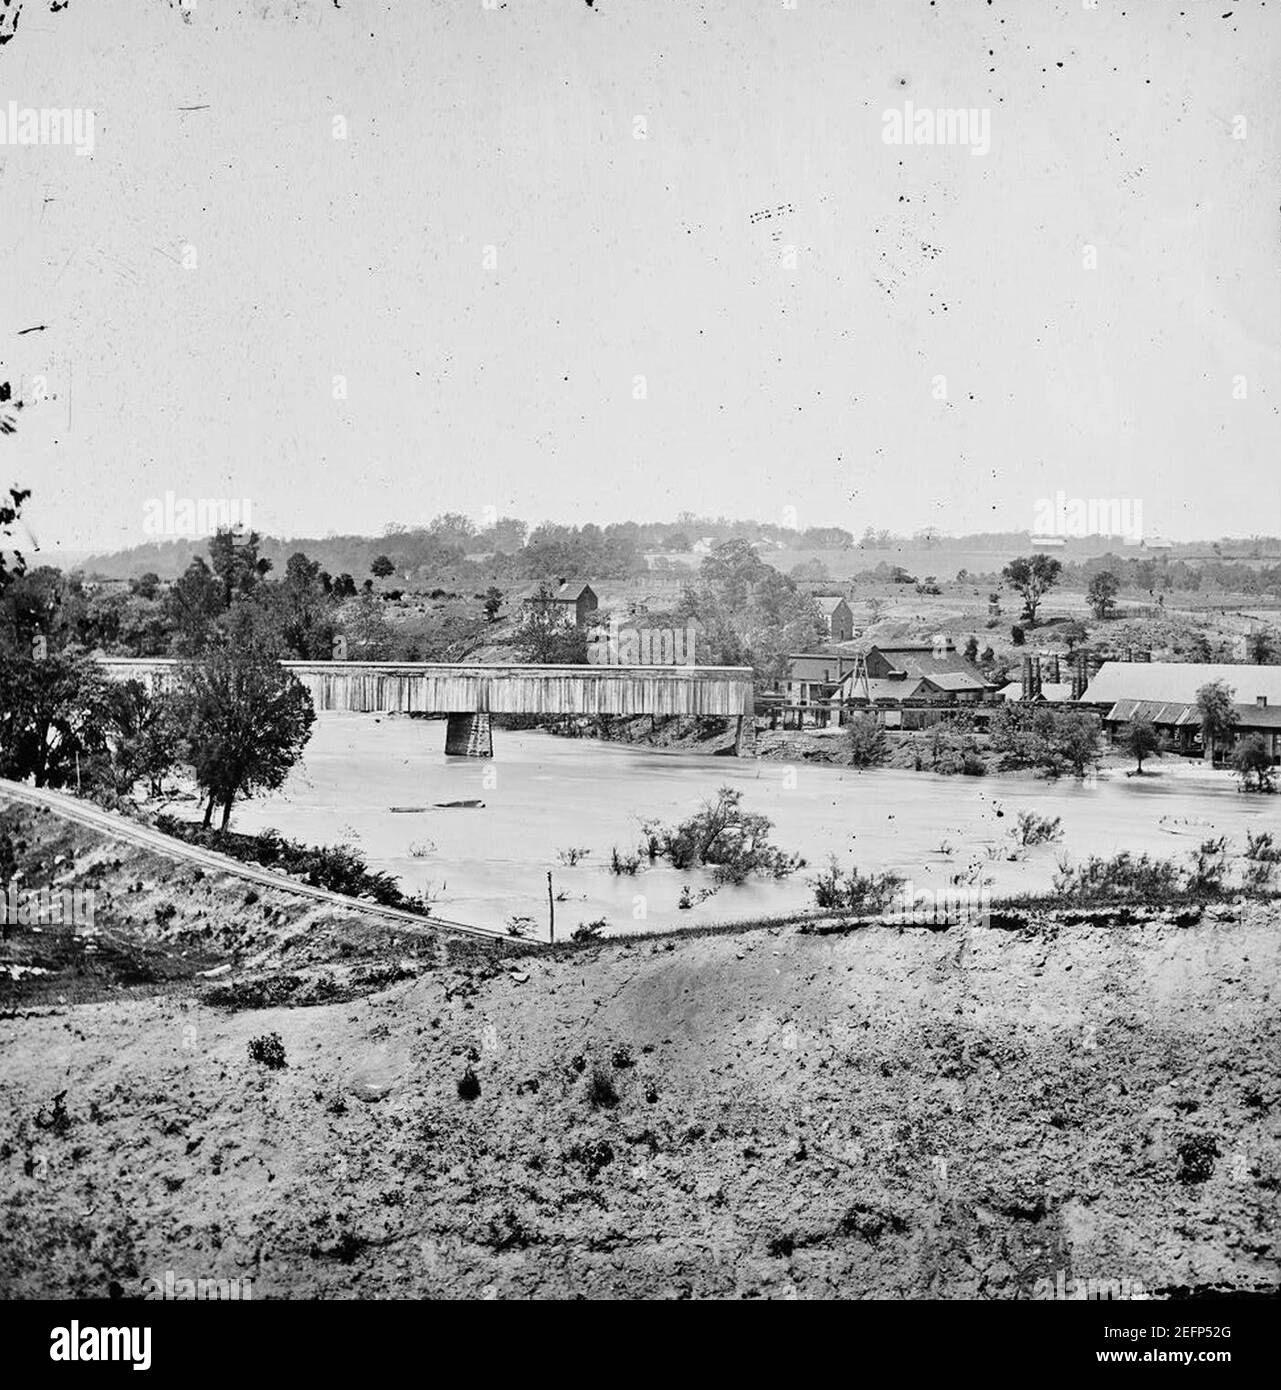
(468, 736)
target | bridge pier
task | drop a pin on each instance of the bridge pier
(745, 736)
(468, 736)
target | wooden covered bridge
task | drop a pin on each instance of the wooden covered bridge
(469, 693)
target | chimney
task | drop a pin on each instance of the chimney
(1261, 701)
(1055, 672)
(941, 645)
(1027, 678)
(1036, 677)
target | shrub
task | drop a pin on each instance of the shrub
(852, 891)
(1125, 877)
(1252, 763)
(600, 1090)
(734, 843)
(1032, 829)
(468, 1085)
(590, 931)
(623, 863)
(268, 1050)
(570, 857)
(868, 746)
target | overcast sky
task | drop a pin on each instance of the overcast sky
(648, 342)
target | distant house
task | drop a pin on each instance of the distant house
(573, 601)
(838, 617)
(813, 677)
(1165, 694)
(704, 546)
(934, 672)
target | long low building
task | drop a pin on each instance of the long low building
(1165, 694)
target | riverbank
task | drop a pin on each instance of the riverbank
(883, 1112)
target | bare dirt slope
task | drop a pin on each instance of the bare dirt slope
(880, 1112)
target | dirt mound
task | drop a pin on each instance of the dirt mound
(769, 1114)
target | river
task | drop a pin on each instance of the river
(543, 795)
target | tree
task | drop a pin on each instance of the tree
(1142, 740)
(382, 567)
(1260, 646)
(1073, 634)
(972, 649)
(1101, 593)
(145, 734)
(369, 635)
(493, 602)
(344, 586)
(14, 564)
(52, 716)
(1218, 716)
(234, 558)
(1252, 762)
(191, 607)
(1032, 576)
(246, 720)
(868, 745)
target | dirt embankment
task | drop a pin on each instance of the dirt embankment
(877, 1112)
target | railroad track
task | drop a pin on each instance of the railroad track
(107, 822)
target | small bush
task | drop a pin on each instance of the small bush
(468, 1085)
(1032, 829)
(1196, 1158)
(852, 891)
(269, 1050)
(589, 931)
(600, 1090)
(569, 857)
(868, 746)
(623, 863)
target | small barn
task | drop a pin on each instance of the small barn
(837, 616)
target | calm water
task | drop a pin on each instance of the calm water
(544, 794)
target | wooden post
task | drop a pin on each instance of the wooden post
(551, 910)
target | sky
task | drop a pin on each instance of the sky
(362, 262)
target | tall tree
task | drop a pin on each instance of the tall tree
(246, 720)
(1218, 716)
(1101, 593)
(1032, 577)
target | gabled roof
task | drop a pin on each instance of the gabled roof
(1180, 680)
(1180, 715)
(918, 661)
(819, 666)
(572, 590)
(829, 603)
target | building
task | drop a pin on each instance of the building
(1165, 694)
(814, 677)
(838, 617)
(573, 601)
(934, 672)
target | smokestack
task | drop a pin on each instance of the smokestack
(1055, 672)
(1027, 678)
(1036, 677)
